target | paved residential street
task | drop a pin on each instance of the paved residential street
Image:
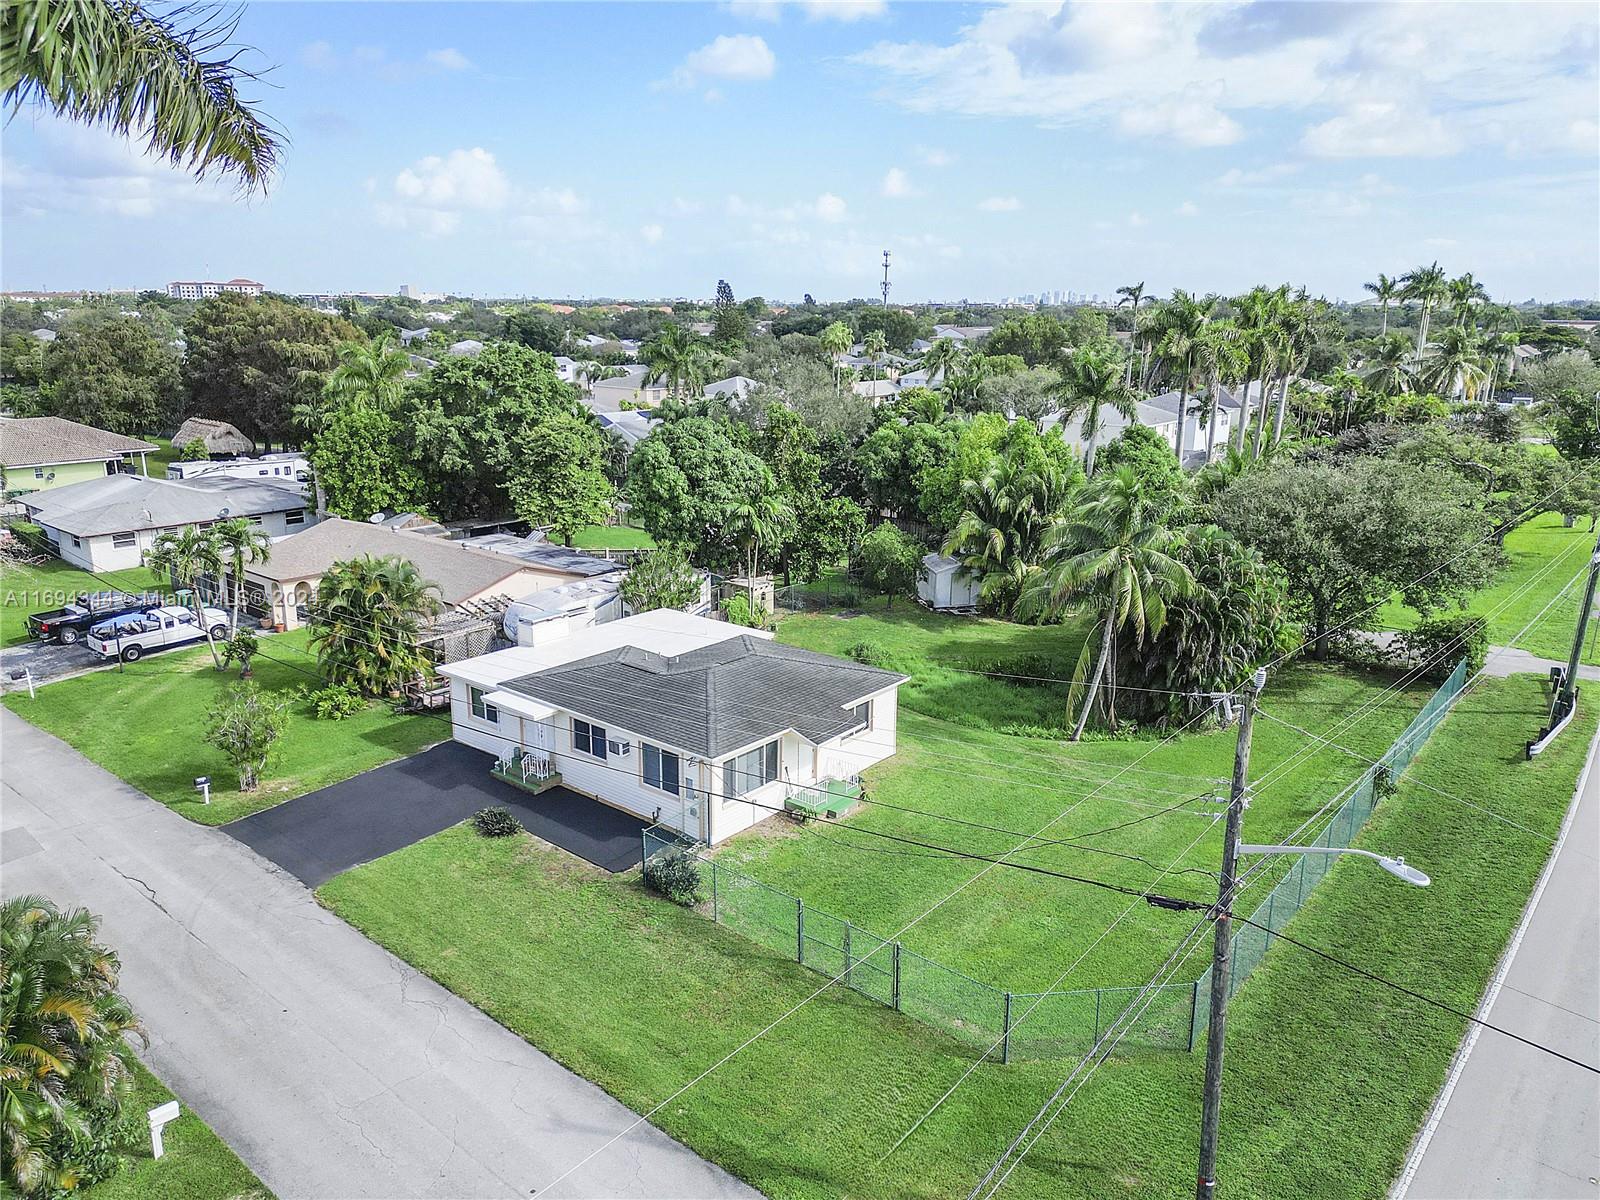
(314, 837)
(1518, 1123)
(331, 1067)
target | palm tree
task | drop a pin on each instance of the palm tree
(1113, 554)
(1386, 291)
(941, 357)
(964, 385)
(1426, 286)
(1454, 365)
(66, 1069)
(372, 373)
(1221, 356)
(241, 544)
(836, 340)
(876, 344)
(366, 622)
(1090, 381)
(1182, 319)
(1257, 316)
(1300, 321)
(1464, 294)
(677, 356)
(189, 556)
(115, 64)
(756, 522)
(1000, 534)
(1389, 368)
(1131, 295)
(1500, 354)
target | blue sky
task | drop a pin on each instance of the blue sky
(581, 149)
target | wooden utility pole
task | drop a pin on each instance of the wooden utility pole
(1222, 946)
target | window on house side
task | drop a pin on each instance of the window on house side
(589, 739)
(481, 708)
(662, 769)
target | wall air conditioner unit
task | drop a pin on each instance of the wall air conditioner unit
(621, 748)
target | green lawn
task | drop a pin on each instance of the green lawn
(25, 589)
(930, 646)
(144, 722)
(1531, 549)
(642, 996)
(612, 537)
(197, 1164)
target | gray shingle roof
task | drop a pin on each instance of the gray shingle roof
(40, 441)
(119, 503)
(714, 700)
(537, 552)
(460, 571)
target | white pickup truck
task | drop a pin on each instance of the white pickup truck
(133, 635)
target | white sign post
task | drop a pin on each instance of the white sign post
(159, 1118)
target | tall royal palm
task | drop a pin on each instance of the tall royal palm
(836, 340)
(1090, 382)
(1464, 295)
(190, 556)
(1389, 367)
(1386, 291)
(678, 357)
(1425, 287)
(1454, 366)
(1300, 322)
(366, 622)
(876, 345)
(170, 79)
(1113, 556)
(757, 523)
(1257, 315)
(1132, 295)
(1182, 319)
(1221, 357)
(240, 544)
(66, 1069)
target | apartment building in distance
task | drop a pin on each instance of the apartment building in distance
(188, 289)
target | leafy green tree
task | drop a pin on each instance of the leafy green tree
(730, 328)
(468, 420)
(1566, 385)
(111, 373)
(559, 478)
(195, 450)
(899, 327)
(827, 529)
(890, 561)
(663, 578)
(686, 477)
(1236, 617)
(1349, 534)
(240, 543)
(66, 1068)
(190, 556)
(362, 460)
(1164, 484)
(168, 79)
(942, 495)
(1024, 395)
(1037, 338)
(257, 362)
(1116, 556)
(536, 330)
(897, 458)
(366, 622)
(245, 724)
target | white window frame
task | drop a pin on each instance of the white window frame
(295, 518)
(481, 708)
(589, 736)
(646, 749)
(865, 718)
(123, 541)
(733, 791)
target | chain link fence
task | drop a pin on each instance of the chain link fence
(1031, 1025)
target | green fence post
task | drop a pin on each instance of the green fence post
(1301, 898)
(894, 986)
(847, 963)
(1005, 1032)
(1194, 1013)
(1096, 1037)
(799, 930)
(716, 908)
(1272, 897)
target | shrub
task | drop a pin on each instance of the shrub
(736, 610)
(1442, 642)
(495, 822)
(241, 648)
(676, 875)
(336, 702)
(1026, 670)
(872, 655)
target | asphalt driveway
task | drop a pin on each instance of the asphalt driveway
(318, 835)
(46, 661)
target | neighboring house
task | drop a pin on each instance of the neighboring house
(876, 390)
(632, 426)
(1112, 423)
(407, 336)
(962, 333)
(43, 453)
(284, 587)
(45, 335)
(735, 388)
(220, 437)
(704, 726)
(633, 386)
(945, 584)
(107, 524)
(1196, 427)
(567, 368)
(1521, 356)
(287, 469)
(466, 348)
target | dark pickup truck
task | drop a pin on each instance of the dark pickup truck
(70, 624)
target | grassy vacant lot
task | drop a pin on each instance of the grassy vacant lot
(25, 590)
(939, 652)
(612, 537)
(197, 1164)
(642, 996)
(144, 723)
(1540, 544)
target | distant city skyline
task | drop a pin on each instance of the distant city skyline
(646, 150)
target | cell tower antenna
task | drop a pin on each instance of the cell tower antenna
(884, 286)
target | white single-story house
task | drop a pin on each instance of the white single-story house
(108, 524)
(632, 426)
(701, 725)
(735, 387)
(946, 584)
(284, 587)
(635, 387)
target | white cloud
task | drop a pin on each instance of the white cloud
(318, 55)
(1136, 220)
(933, 156)
(897, 184)
(1357, 79)
(1240, 177)
(1187, 209)
(652, 233)
(846, 11)
(432, 193)
(740, 57)
(84, 169)
(325, 57)
(829, 207)
(449, 58)
(1000, 204)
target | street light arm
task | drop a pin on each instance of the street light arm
(1396, 866)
